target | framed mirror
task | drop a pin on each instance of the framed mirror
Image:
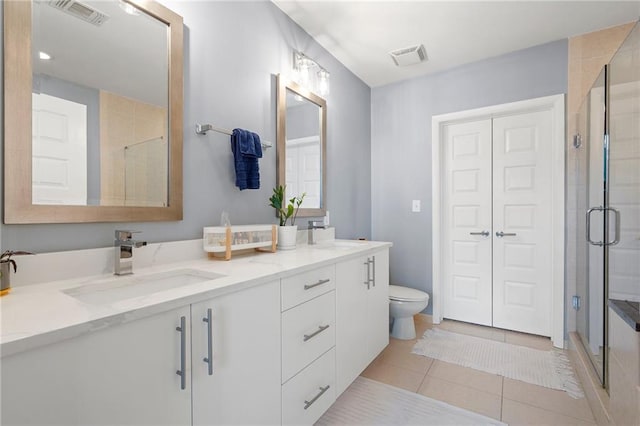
(93, 111)
(301, 156)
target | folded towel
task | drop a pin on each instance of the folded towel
(250, 145)
(246, 148)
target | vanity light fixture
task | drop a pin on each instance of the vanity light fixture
(44, 56)
(310, 75)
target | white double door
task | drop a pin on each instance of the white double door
(497, 243)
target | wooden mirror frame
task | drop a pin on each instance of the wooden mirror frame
(18, 207)
(281, 129)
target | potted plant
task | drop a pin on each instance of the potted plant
(6, 262)
(286, 211)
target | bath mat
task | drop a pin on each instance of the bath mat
(551, 369)
(367, 402)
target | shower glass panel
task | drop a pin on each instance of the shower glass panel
(145, 174)
(590, 171)
(624, 170)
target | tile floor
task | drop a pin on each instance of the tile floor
(511, 401)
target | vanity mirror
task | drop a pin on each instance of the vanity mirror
(93, 111)
(301, 134)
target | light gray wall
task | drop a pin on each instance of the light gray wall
(401, 142)
(233, 50)
(303, 121)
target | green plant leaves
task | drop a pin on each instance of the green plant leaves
(277, 202)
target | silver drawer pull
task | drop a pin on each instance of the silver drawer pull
(310, 286)
(308, 404)
(505, 234)
(483, 233)
(315, 333)
(183, 352)
(209, 358)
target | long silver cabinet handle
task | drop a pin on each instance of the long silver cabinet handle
(373, 268)
(183, 352)
(483, 233)
(368, 280)
(209, 358)
(505, 234)
(315, 333)
(310, 286)
(308, 404)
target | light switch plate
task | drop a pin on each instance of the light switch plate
(415, 206)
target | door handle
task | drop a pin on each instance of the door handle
(505, 234)
(373, 269)
(616, 238)
(183, 352)
(588, 233)
(209, 358)
(483, 233)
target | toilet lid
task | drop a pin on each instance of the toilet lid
(406, 294)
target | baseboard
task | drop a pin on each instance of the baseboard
(596, 395)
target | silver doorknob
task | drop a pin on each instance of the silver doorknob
(505, 234)
(483, 233)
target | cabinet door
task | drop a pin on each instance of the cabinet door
(124, 375)
(378, 306)
(351, 321)
(244, 387)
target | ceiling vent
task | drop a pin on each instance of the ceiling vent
(81, 11)
(409, 55)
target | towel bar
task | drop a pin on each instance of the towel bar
(202, 129)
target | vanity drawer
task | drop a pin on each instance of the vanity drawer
(308, 331)
(306, 286)
(309, 394)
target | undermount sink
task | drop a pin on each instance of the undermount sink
(340, 245)
(131, 286)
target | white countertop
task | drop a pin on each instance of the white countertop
(39, 314)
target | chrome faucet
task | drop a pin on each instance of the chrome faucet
(124, 252)
(314, 225)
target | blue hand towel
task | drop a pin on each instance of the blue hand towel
(246, 148)
(250, 145)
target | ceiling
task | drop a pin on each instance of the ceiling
(360, 34)
(126, 55)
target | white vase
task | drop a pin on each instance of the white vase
(287, 237)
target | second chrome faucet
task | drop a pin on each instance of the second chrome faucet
(124, 245)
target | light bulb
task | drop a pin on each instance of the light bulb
(323, 82)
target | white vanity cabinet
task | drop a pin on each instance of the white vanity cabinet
(127, 374)
(275, 349)
(362, 314)
(241, 384)
(308, 342)
(123, 374)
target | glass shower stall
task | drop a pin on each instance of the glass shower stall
(607, 174)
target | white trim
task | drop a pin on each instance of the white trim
(556, 104)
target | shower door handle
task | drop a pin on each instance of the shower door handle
(616, 237)
(588, 233)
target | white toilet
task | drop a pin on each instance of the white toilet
(404, 303)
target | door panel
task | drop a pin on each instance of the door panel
(521, 210)
(467, 204)
(59, 151)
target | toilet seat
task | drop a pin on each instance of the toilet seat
(406, 294)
